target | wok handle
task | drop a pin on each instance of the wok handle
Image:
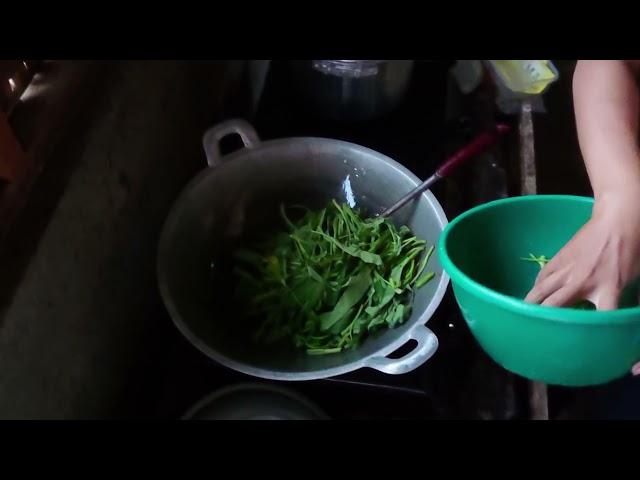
(424, 350)
(212, 138)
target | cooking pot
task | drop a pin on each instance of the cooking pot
(255, 402)
(352, 90)
(239, 194)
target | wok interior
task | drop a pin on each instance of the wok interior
(243, 196)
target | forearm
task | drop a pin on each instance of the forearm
(607, 105)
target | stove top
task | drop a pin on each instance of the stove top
(460, 381)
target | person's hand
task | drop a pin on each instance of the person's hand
(598, 262)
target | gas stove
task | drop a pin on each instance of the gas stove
(460, 381)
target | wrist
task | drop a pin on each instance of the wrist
(622, 204)
(614, 171)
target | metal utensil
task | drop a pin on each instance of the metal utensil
(481, 143)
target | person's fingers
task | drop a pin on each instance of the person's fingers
(541, 290)
(548, 270)
(563, 297)
(558, 263)
(607, 298)
(635, 370)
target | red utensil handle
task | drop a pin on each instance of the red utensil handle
(481, 143)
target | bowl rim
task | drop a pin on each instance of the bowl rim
(513, 304)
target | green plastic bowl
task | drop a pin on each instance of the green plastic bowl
(481, 250)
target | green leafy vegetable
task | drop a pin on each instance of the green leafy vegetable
(331, 278)
(541, 260)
